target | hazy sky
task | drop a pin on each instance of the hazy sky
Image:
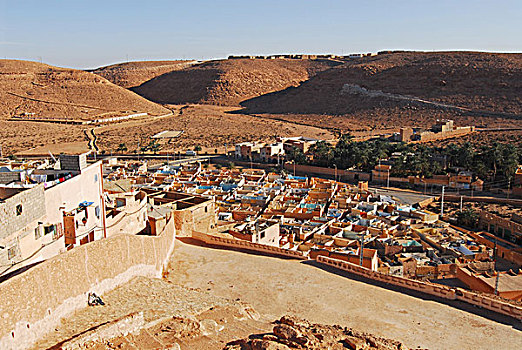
(92, 33)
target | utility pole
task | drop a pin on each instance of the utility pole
(361, 255)
(294, 161)
(442, 203)
(460, 203)
(388, 179)
(509, 185)
(495, 267)
(335, 166)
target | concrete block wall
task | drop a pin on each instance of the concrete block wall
(7, 177)
(33, 208)
(33, 302)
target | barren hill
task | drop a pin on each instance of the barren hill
(228, 82)
(479, 81)
(132, 74)
(51, 92)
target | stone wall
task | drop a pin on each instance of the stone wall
(33, 302)
(245, 245)
(316, 170)
(200, 217)
(428, 288)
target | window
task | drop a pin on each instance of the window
(97, 211)
(95, 178)
(37, 233)
(11, 253)
(19, 210)
(206, 209)
(48, 229)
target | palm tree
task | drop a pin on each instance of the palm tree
(154, 146)
(121, 148)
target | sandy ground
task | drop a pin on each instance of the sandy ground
(207, 126)
(201, 279)
(276, 287)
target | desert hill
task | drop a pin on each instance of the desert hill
(131, 74)
(228, 82)
(479, 81)
(52, 92)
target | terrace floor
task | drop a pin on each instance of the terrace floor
(201, 277)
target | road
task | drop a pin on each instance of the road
(406, 197)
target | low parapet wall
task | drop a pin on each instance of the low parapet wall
(240, 244)
(428, 288)
(33, 302)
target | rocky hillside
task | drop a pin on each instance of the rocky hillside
(479, 81)
(51, 92)
(133, 74)
(292, 333)
(228, 82)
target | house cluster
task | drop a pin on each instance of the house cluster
(443, 129)
(316, 216)
(461, 180)
(50, 206)
(302, 56)
(272, 152)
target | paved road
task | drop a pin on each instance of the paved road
(405, 197)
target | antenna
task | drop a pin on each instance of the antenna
(54, 159)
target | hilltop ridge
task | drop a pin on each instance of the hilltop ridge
(480, 81)
(52, 92)
(228, 82)
(131, 74)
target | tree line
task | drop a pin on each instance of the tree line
(492, 162)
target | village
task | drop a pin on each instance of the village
(60, 205)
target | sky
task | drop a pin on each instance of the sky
(93, 33)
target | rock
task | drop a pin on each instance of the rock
(270, 337)
(356, 343)
(209, 327)
(284, 331)
(174, 346)
(261, 344)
